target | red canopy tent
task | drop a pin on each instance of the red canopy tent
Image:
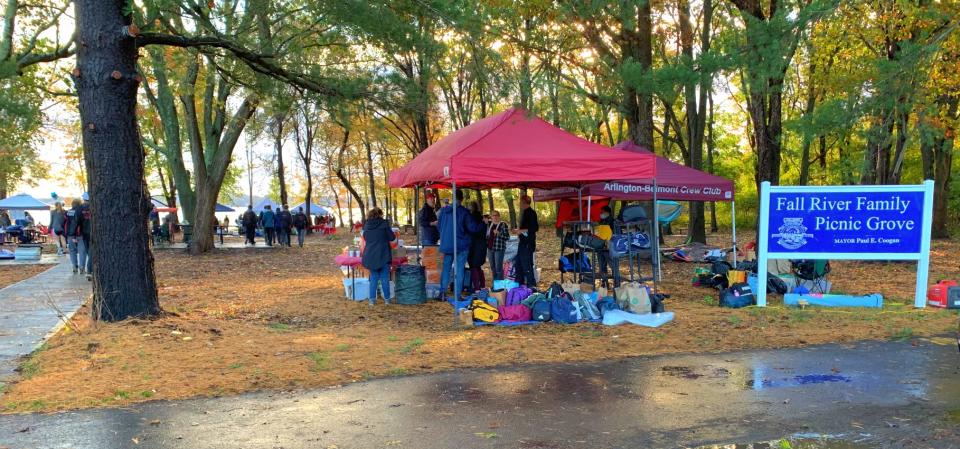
(674, 182)
(515, 148)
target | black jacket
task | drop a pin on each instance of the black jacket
(300, 220)
(478, 244)
(529, 221)
(249, 219)
(426, 216)
(377, 236)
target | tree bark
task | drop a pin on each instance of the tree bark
(124, 284)
(278, 121)
(370, 178)
(511, 208)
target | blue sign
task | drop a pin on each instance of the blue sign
(845, 222)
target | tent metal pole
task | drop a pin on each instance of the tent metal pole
(453, 201)
(589, 207)
(655, 257)
(733, 224)
(416, 223)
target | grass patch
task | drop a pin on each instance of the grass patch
(146, 394)
(800, 315)
(321, 361)
(237, 365)
(120, 394)
(342, 347)
(954, 415)
(37, 405)
(397, 371)
(709, 300)
(734, 320)
(392, 338)
(903, 334)
(29, 368)
(279, 327)
(413, 344)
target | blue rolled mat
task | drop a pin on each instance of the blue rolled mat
(830, 300)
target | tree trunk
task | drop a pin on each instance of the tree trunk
(370, 178)
(808, 116)
(336, 198)
(511, 208)
(124, 284)
(490, 199)
(714, 226)
(278, 149)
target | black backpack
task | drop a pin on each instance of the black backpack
(775, 284)
(633, 213)
(737, 296)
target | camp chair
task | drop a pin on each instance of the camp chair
(814, 271)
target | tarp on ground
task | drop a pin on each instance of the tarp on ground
(22, 201)
(674, 182)
(515, 148)
(315, 209)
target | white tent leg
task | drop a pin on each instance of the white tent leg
(733, 212)
(655, 257)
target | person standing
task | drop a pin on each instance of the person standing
(377, 236)
(300, 221)
(427, 219)
(71, 229)
(605, 231)
(249, 222)
(464, 226)
(86, 228)
(56, 226)
(267, 222)
(529, 225)
(477, 255)
(4, 218)
(284, 222)
(498, 233)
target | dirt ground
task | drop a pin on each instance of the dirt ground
(242, 320)
(11, 274)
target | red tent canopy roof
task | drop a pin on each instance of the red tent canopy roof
(674, 182)
(515, 148)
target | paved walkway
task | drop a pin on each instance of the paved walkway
(871, 395)
(26, 318)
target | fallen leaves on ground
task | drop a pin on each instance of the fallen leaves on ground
(254, 319)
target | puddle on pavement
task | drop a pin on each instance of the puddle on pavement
(807, 379)
(802, 442)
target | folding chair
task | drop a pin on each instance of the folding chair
(814, 271)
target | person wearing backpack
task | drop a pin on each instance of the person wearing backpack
(267, 222)
(56, 226)
(377, 254)
(284, 221)
(86, 228)
(465, 226)
(71, 230)
(498, 233)
(300, 222)
(249, 223)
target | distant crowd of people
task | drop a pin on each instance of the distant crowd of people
(72, 228)
(279, 225)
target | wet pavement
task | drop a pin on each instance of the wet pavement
(897, 395)
(30, 311)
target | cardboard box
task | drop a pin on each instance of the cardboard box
(433, 276)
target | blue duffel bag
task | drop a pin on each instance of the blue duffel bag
(562, 310)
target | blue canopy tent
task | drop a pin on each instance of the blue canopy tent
(222, 208)
(315, 209)
(159, 203)
(20, 203)
(262, 204)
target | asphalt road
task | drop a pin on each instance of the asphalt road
(897, 395)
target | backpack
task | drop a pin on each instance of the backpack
(515, 295)
(737, 296)
(607, 303)
(656, 302)
(533, 299)
(619, 246)
(633, 213)
(562, 310)
(515, 313)
(585, 308)
(571, 264)
(775, 284)
(541, 310)
(720, 267)
(554, 290)
(484, 312)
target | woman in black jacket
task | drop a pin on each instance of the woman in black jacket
(478, 249)
(377, 236)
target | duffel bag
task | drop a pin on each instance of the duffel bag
(484, 312)
(737, 296)
(518, 312)
(591, 242)
(516, 295)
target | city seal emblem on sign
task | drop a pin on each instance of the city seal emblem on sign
(793, 234)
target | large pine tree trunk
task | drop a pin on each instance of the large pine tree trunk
(124, 284)
(278, 148)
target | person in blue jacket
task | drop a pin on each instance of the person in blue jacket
(267, 222)
(465, 226)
